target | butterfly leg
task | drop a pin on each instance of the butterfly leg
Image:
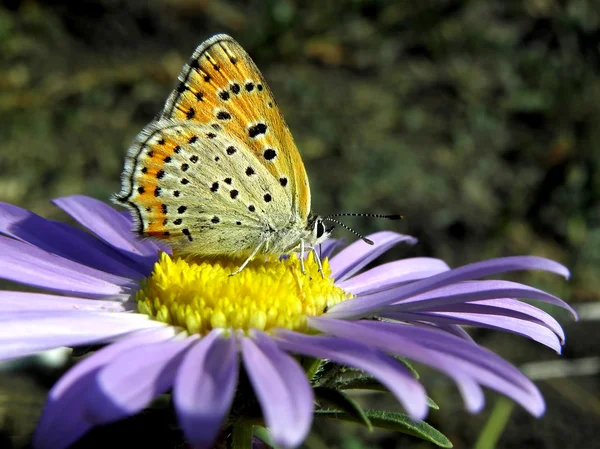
(318, 259)
(250, 257)
(302, 256)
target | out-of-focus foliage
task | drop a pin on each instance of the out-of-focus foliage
(477, 120)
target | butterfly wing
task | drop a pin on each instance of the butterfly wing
(201, 189)
(221, 87)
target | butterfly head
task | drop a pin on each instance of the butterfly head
(318, 232)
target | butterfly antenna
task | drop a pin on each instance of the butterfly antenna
(333, 220)
(387, 217)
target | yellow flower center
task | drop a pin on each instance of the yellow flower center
(199, 295)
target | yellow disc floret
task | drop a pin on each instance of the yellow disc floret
(200, 295)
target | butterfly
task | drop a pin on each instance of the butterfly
(218, 172)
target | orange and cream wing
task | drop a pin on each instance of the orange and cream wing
(199, 189)
(221, 87)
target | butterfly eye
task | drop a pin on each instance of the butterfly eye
(320, 229)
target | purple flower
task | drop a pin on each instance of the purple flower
(106, 291)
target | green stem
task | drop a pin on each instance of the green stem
(242, 435)
(492, 431)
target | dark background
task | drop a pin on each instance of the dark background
(479, 121)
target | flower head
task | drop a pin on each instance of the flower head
(200, 295)
(184, 324)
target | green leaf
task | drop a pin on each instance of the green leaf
(369, 383)
(313, 367)
(264, 434)
(360, 383)
(397, 422)
(431, 403)
(242, 435)
(343, 403)
(408, 366)
(402, 360)
(329, 373)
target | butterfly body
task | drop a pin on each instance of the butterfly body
(218, 173)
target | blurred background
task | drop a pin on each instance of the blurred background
(479, 121)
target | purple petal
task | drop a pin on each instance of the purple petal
(355, 256)
(28, 332)
(484, 366)
(26, 264)
(285, 396)
(390, 342)
(534, 330)
(24, 301)
(329, 246)
(133, 379)
(392, 274)
(367, 304)
(204, 388)
(452, 329)
(476, 291)
(530, 398)
(64, 240)
(110, 226)
(391, 373)
(504, 307)
(63, 421)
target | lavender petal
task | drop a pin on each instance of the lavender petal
(204, 388)
(285, 396)
(24, 263)
(484, 366)
(390, 342)
(23, 301)
(392, 274)
(133, 379)
(328, 247)
(507, 307)
(475, 291)
(28, 332)
(63, 421)
(64, 240)
(355, 256)
(392, 374)
(533, 330)
(110, 226)
(367, 304)
(452, 329)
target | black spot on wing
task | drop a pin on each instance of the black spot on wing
(270, 154)
(187, 233)
(257, 130)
